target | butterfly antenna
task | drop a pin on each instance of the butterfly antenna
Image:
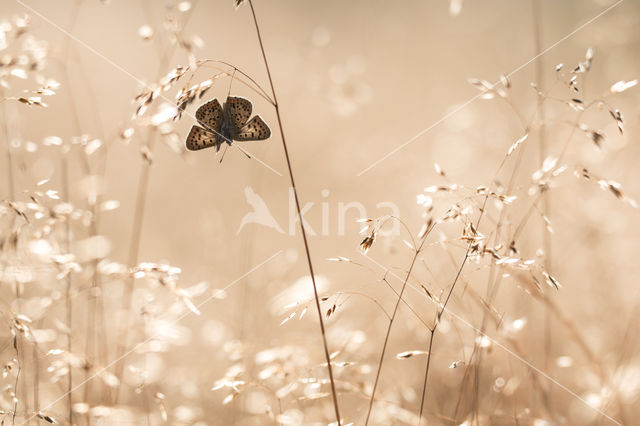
(243, 151)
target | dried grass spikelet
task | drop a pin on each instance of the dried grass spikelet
(47, 418)
(517, 143)
(595, 136)
(410, 354)
(151, 92)
(490, 90)
(167, 276)
(24, 58)
(617, 116)
(367, 242)
(371, 227)
(188, 95)
(544, 177)
(610, 186)
(159, 398)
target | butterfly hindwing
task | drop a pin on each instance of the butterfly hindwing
(210, 115)
(238, 111)
(255, 130)
(200, 138)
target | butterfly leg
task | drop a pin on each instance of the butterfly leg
(224, 152)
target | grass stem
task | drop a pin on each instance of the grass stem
(304, 234)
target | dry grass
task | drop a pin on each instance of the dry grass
(503, 296)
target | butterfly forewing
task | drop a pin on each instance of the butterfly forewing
(238, 111)
(210, 115)
(200, 138)
(254, 130)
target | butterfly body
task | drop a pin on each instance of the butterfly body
(226, 123)
(227, 130)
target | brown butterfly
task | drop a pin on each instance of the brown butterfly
(226, 124)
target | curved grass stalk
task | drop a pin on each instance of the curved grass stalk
(304, 234)
(256, 87)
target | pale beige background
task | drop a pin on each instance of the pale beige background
(401, 66)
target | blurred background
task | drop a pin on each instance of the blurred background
(355, 82)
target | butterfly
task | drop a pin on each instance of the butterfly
(226, 123)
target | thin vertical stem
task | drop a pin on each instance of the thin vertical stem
(138, 219)
(393, 316)
(134, 250)
(68, 303)
(446, 301)
(5, 128)
(10, 181)
(16, 344)
(304, 234)
(426, 375)
(36, 378)
(67, 229)
(546, 240)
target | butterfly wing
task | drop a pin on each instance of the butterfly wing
(255, 130)
(200, 138)
(239, 111)
(210, 115)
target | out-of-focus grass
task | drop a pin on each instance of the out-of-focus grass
(126, 279)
